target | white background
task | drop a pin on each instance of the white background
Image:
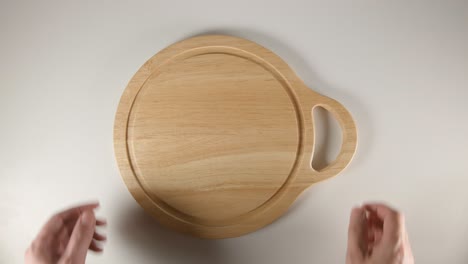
(400, 67)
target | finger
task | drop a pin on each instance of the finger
(94, 246)
(392, 220)
(81, 238)
(101, 222)
(377, 236)
(65, 218)
(370, 232)
(74, 212)
(356, 233)
(70, 216)
(383, 211)
(375, 226)
(99, 237)
(70, 225)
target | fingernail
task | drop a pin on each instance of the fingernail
(87, 218)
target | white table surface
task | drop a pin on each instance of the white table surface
(400, 67)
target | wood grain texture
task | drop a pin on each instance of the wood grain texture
(214, 136)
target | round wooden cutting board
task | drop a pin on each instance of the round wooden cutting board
(214, 136)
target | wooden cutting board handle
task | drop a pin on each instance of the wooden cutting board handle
(311, 100)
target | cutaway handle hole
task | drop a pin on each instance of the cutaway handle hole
(328, 138)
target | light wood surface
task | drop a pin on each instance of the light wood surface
(214, 136)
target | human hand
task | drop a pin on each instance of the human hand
(66, 237)
(377, 235)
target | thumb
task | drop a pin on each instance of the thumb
(81, 238)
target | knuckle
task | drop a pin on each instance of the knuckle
(55, 217)
(33, 247)
(399, 219)
(58, 219)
